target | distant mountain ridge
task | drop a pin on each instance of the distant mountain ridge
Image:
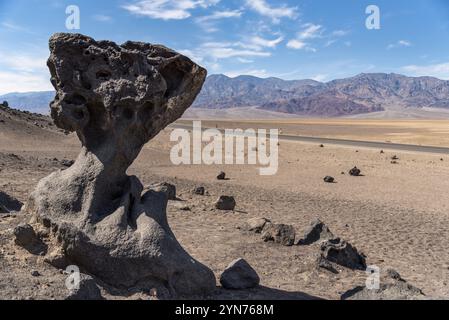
(37, 102)
(362, 94)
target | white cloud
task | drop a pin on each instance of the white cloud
(440, 70)
(399, 44)
(167, 9)
(296, 44)
(102, 18)
(24, 82)
(310, 31)
(217, 15)
(260, 73)
(21, 73)
(261, 42)
(339, 33)
(275, 13)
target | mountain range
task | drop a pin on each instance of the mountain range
(362, 94)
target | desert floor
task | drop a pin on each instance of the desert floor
(397, 214)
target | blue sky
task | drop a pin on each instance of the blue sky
(318, 39)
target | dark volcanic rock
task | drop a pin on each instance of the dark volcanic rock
(8, 203)
(67, 163)
(166, 188)
(329, 179)
(221, 176)
(239, 275)
(317, 231)
(343, 253)
(26, 237)
(116, 98)
(355, 172)
(279, 233)
(199, 191)
(225, 203)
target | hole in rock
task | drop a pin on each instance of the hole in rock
(173, 76)
(78, 114)
(76, 99)
(103, 75)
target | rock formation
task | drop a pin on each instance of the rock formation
(116, 98)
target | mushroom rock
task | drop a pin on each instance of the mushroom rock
(116, 98)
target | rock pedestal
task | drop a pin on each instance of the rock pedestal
(116, 98)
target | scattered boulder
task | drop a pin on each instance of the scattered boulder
(395, 157)
(26, 237)
(221, 176)
(393, 274)
(166, 188)
(321, 145)
(255, 225)
(201, 191)
(317, 231)
(279, 233)
(35, 273)
(239, 275)
(355, 172)
(322, 263)
(382, 152)
(393, 290)
(87, 290)
(394, 162)
(329, 179)
(343, 253)
(225, 203)
(9, 204)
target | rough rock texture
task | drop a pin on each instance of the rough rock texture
(316, 232)
(225, 203)
(221, 176)
(239, 275)
(343, 253)
(165, 187)
(355, 172)
(200, 191)
(279, 233)
(116, 98)
(255, 224)
(87, 290)
(392, 287)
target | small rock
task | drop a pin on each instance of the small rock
(387, 291)
(316, 232)
(321, 145)
(393, 274)
(35, 273)
(325, 264)
(395, 157)
(382, 152)
(199, 191)
(239, 275)
(221, 176)
(343, 253)
(279, 233)
(165, 187)
(225, 203)
(329, 179)
(394, 162)
(355, 172)
(255, 225)
(87, 290)
(25, 235)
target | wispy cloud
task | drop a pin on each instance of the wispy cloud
(308, 32)
(399, 44)
(167, 9)
(217, 15)
(102, 18)
(440, 70)
(275, 13)
(261, 73)
(21, 73)
(259, 42)
(208, 23)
